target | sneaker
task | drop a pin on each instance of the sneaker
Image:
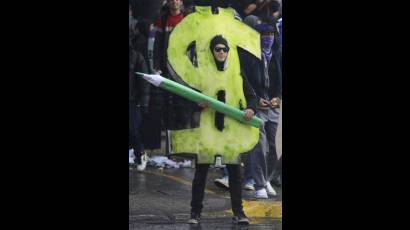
(261, 194)
(131, 157)
(131, 161)
(249, 185)
(270, 190)
(195, 218)
(142, 164)
(240, 219)
(222, 182)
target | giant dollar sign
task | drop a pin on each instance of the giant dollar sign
(199, 28)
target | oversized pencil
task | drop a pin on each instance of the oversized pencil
(197, 97)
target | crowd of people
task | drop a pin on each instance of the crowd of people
(152, 110)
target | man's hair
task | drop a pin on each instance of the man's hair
(264, 28)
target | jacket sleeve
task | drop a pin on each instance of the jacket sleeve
(248, 70)
(144, 85)
(251, 99)
(276, 76)
(158, 44)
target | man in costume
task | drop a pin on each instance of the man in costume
(219, 47)
(203, 55)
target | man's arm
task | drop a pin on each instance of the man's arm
(250, 95)
(158, 44)
(249, 6)
(141, 66)
(248, 70)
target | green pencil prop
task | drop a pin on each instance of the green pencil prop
(197, 97)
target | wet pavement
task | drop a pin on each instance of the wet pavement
(160, 199)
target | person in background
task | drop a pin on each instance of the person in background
(265, 77)
(138, 94)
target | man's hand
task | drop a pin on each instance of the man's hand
(264, 103)
(248, 114)
(249, 8)
(203, 105)
(275, 102)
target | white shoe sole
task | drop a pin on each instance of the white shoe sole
(192, 221)
(261, 197)
(221, 183)
(249, 187)
(243, 222)
(141, 167)
(272, 194)
(270, 190)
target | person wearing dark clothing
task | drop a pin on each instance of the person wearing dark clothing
(265, 87)
(266, 9)
(157, 118)
(139, 32)
(219, 47)
(163, 26)
(138, 94)
(275, 176)
(266, 79)
(140, 37)
(244, 7)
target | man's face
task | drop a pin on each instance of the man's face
(130, 11)
(175, 4)
(220, 52)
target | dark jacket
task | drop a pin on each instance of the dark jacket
(250, 95)
(138, 88)
(254, 70)
(265, 10)
(140, 38)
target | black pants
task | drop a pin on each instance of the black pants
(277, 170)
(272, 157)
(198, 188)
(134, 130)
(152, 129)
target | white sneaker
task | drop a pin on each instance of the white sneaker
(261, 194)
(144, 159)
(131, 156)
(270, 190)
(249, 186)
(224, 182)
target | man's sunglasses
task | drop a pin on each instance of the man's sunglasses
(225, 49)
